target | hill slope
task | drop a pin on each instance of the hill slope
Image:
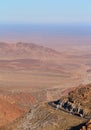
(46, 117)
(9, 112)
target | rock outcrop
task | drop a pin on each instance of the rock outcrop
(77, 102)
(87, 126)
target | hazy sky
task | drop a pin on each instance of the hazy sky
(45, 11)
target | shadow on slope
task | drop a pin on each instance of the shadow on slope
(78, 127)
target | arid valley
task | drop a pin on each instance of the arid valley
(32, 75)
(45, 65)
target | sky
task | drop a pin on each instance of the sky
(45, 11)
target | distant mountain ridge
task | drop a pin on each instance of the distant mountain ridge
(23, 50)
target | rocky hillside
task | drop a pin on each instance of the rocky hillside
(43, 117)
(46, 117)
(81, 96)
(78, 101)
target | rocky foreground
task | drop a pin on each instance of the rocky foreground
(46, 117)
(77, 102)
